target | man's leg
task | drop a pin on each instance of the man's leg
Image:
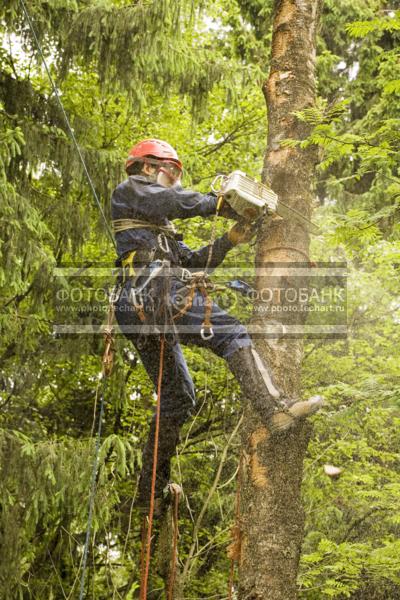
(278, 412)
(177, 398)
(232, 342)
(177, 403)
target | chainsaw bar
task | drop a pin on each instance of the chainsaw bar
(287, 212)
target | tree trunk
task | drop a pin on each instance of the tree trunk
(272, 519)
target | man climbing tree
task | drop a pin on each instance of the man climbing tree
(148, 247)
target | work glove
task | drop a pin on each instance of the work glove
(241, 233)
(226, 211)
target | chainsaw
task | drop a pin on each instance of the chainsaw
(252, 200)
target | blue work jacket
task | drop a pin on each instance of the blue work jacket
(138, 198)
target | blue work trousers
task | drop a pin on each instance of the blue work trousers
(177, 389)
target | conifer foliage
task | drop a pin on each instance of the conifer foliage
(189, 71)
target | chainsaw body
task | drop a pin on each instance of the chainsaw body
(247, 197)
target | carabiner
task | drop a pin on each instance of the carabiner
(163, 243)
(185, 275)
(206, 336)
(114, 294)
(136, 298)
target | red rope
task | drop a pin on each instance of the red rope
(146, 563)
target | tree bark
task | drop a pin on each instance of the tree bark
(272, 517)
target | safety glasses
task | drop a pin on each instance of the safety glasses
(171, 169)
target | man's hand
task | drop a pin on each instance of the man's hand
(241, 233)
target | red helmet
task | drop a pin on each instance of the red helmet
(153, 149)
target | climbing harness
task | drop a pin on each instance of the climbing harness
(200, 281)
(197, 280)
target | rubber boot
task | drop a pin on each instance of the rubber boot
(168, 440)
(255, 379)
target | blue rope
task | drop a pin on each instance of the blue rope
(92, 492)
(71, 132)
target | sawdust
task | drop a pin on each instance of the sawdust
(259, 435)
(258, 472)
(286, 13)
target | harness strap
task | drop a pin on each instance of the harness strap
(188, 301)
(138, 306)
(199, 281)
(119, 225)
(127, 265)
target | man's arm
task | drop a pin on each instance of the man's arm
(137, 198)
(240, 233)
(197, 259)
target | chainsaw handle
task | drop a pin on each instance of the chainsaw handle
(220, 177)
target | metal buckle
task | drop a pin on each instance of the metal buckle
(163, 242)
(205, 335)
(185, 275)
